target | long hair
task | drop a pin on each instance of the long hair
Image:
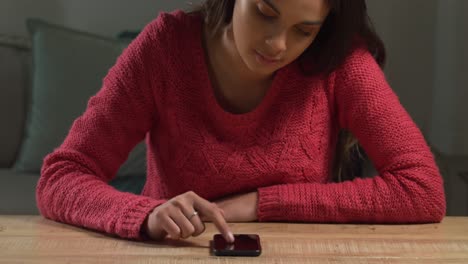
(346, 27)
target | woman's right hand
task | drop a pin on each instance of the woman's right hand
(176, 218)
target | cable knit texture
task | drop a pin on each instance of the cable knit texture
(159, 89)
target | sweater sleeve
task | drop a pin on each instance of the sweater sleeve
(73, 187)
(409, 187)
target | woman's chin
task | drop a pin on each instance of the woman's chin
(261, 70)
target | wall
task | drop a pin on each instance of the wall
(449, 128)
(407, 28)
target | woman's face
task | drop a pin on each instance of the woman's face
(270, 34)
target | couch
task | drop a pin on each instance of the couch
(46, 80)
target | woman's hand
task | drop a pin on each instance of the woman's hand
(239, 208)
(176, 217)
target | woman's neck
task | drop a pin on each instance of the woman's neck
(236, 87)
(227, 59)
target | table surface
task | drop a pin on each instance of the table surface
(33, 239)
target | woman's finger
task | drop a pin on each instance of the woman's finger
(186, 227)
(213, 212)
(170, 227)
(194, 218)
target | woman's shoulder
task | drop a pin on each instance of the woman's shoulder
(360, 73)
(174, 23)
(358, 62)
(166, 33)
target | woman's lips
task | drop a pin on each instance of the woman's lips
(264, 59)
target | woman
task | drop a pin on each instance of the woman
(248, 108)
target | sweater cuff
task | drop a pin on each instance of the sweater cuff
(132, 222)
(269, 208)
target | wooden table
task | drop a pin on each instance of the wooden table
(33, 239)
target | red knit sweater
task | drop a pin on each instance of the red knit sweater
(159, 88)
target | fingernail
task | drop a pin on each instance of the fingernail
(231, 237)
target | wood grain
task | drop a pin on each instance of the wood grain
(33, 239)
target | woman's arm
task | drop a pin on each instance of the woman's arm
(73, 187)
(409, 187)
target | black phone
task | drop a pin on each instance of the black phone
(244, 245)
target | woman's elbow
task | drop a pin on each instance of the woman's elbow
(434, 201)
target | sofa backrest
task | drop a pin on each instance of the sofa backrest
(15, 76)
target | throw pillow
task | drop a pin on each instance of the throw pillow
(69, 66)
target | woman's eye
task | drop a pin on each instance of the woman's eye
(264, 14)
(305, 33)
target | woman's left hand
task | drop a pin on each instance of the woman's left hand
(239, 208)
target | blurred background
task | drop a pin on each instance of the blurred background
(427, 67)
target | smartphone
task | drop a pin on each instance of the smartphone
(244, 245)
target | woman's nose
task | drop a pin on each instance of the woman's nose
(276, 44)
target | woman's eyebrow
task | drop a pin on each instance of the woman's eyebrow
(312, 23)
(268, 2)
(306, 23)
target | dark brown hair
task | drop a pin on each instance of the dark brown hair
(346, 27)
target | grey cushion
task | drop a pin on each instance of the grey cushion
(69, 66)
(15, 64)
(18, 192)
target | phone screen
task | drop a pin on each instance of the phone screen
(244, 245)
